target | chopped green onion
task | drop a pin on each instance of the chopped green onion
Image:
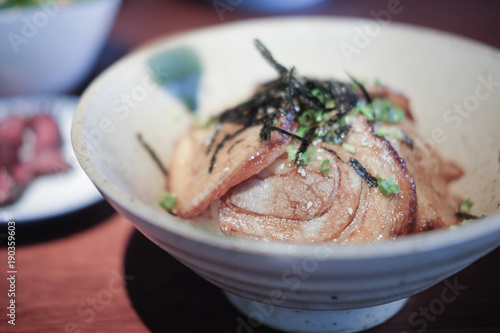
(275, 121)
(348, 147)
(307, 118)
(366, 110)
(292, 152)
(386, 112)
(325, 117)
(330, 104)
(318, 94)
(167, 200)
(465, 206)
(325, 166)
(390, 131)
(380, 103)
(301, 131)
(388, 186)
(308, 155)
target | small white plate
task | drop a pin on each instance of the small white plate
(56, 194)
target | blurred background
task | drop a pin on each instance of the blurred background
(87, 269)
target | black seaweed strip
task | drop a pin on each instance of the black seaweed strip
(268, 56)
(217, 130)
(304, 145)
(228, 137)
(217, 148)
(370, 180)
(277, 129)
(306, 96)
(342, 131)
(362, 87)
(467, 216)
(152, 154)
(234, 144)
(333, 152)
(265, 131)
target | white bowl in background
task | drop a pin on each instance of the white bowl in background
(52, 47)
(307, 287)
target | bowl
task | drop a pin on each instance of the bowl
(298, 287)
(52, 47)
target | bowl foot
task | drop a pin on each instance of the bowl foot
(310, 321)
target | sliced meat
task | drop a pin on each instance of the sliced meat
(29, 147)
(46, 132)
(394, 97)
(386, 216)
(436, 205)
(203, 168)
(307, 205)
(12, 129)
(10, 189)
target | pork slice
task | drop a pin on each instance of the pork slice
(303, 204)
(436, 204)
(390, 216)
(197, 178)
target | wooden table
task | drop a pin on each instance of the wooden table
(90, 271)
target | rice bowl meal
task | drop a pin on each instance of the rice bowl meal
(327, 202)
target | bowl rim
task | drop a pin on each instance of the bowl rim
(403, 246)
(13, 14)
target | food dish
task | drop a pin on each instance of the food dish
(50, 195)
(313, 160)
(30, 147)
(50, 47)
(338, 277)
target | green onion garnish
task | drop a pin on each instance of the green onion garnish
(386, 112)
(307, 118)
(325, 166)
(301, 131)
(292, 152)
(465, 206)
(318, 94)
(390, 131)
(308, 155)
(348, 147)
(388, 186)
(167, 200)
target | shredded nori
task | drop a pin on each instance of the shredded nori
(152, 154)
(370, 180)
(234, 144)
(363, 90)
(288, 96)
(333, 152)
(467, 216)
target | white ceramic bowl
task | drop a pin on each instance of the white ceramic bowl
(435, 69)
(51, 48)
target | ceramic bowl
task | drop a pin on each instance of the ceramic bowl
(52, 47)
(298, 287)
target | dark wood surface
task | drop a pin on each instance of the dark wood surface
(90, 271)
